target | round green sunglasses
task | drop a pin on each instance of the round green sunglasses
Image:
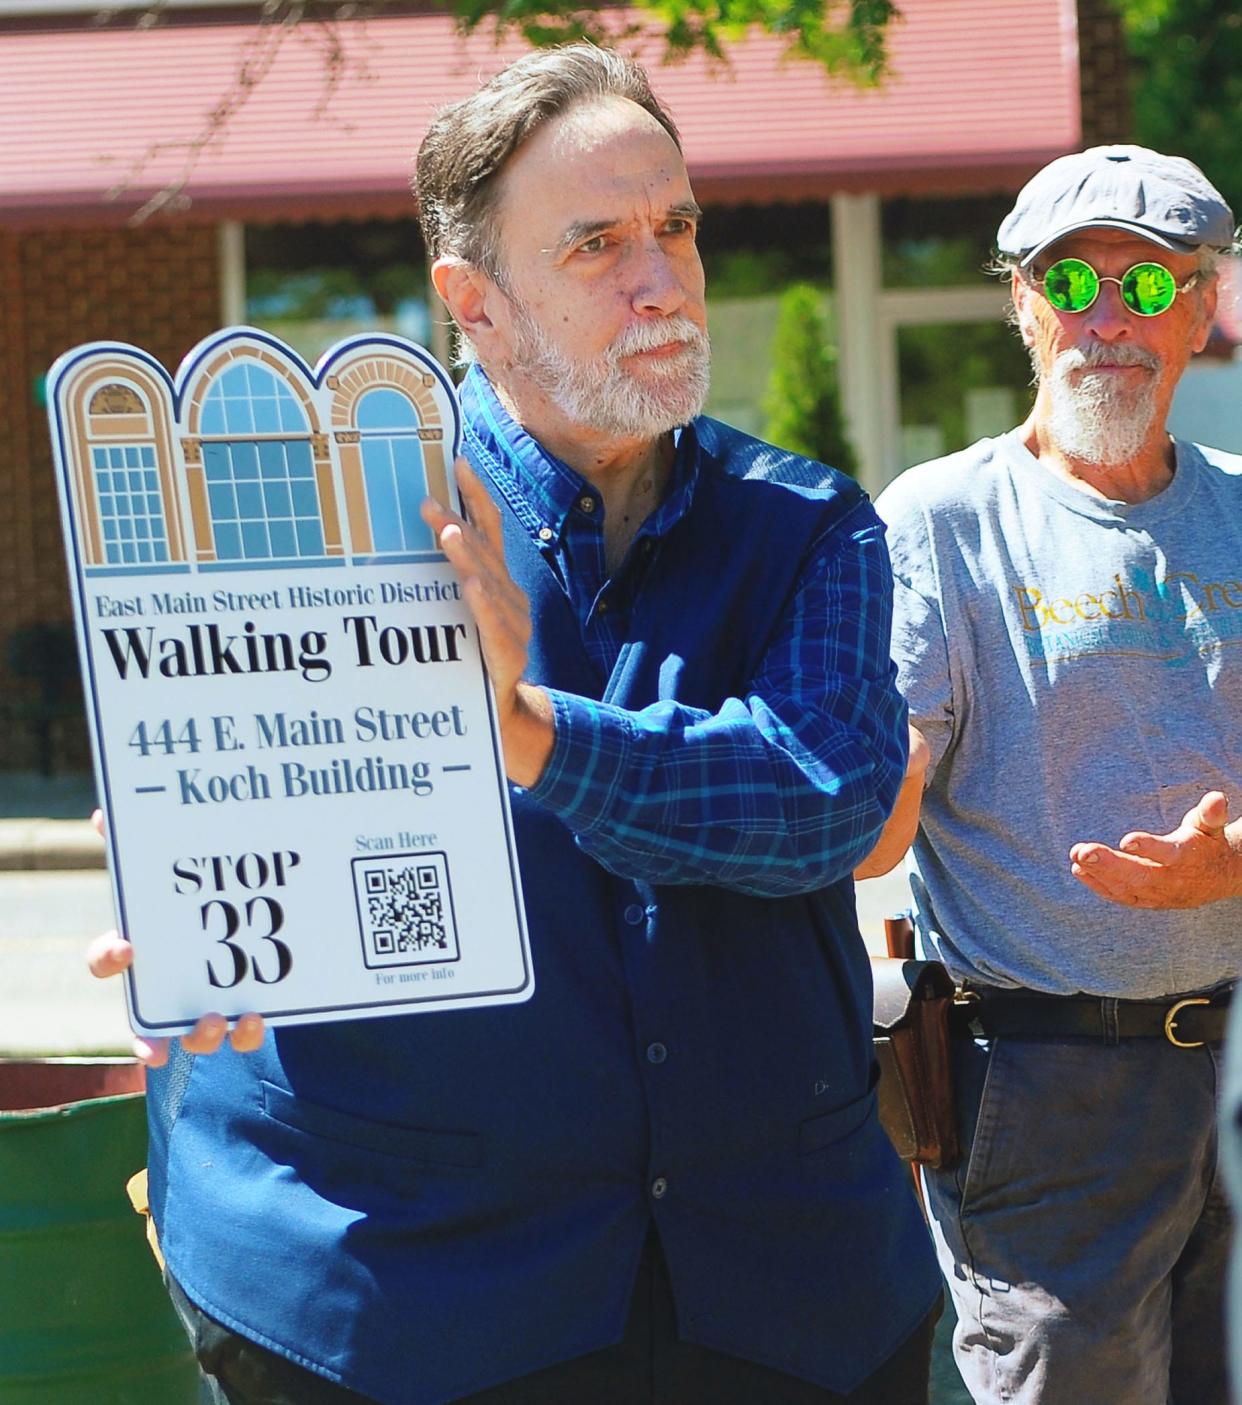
(1148, 289)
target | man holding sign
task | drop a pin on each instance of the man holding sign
(662, 1178)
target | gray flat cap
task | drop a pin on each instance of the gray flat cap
(1166, 199)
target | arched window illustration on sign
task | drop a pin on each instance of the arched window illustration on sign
(126, 478)
(393, 471)
(259, 469)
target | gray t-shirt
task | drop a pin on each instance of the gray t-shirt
(1076, 667)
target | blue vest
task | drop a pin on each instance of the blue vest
(422, 1206)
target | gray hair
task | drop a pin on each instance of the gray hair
(468, 144)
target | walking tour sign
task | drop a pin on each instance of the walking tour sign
(294, 736)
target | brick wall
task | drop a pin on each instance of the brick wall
(1107, 115)
(157, 287)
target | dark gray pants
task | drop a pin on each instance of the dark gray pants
(1084, 1235)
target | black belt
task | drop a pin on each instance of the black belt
(1187, 1021)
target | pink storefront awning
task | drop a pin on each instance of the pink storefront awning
(980, 94)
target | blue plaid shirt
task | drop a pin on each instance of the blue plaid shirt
(780, 791)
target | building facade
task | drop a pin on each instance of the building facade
(295, 216)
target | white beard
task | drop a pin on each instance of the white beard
(602, 395)
(1098, 419)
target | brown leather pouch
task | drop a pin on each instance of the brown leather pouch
(913, 1003)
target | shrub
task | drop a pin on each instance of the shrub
(803, 401)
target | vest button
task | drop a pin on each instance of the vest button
(546, 534)
(656, 1053)
(586, 503)
(658, 1188)
(634, 914)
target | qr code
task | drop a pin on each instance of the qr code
(405, 910)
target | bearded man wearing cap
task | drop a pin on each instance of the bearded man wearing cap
(1068, 635)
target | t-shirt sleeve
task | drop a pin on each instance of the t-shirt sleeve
(920, 644)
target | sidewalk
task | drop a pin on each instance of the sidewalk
(54, 897)
(45, 823)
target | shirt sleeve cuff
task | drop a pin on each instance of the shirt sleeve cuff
(589, 754)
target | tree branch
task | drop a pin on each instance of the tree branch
(846, 37)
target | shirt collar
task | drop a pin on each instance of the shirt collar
(542, 489)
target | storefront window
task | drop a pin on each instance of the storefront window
(959, 382)
(751, 254)
(312, 284)
(940, 243)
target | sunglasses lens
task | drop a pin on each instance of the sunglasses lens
(1148, 288)
(1071, 285)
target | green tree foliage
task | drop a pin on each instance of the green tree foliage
(1186, 66)
(845, 36)
(803, 402)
